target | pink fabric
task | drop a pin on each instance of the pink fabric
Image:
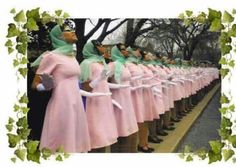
(65, 121)
(100, 113)
(125, 120)
(137, 95)
(151, 107)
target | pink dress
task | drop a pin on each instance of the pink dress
(160, 97)
(65, 121)
(100, 113)
(151, 108)
(137, 95)
(125, 120)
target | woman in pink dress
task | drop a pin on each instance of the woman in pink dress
(138, 101)
(65, 122)
(125, 120)
(99, 110)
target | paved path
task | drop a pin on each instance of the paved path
(205, 127)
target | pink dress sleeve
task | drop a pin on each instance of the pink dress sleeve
(47, 64)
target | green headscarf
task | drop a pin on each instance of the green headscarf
(131, 58)
(90, 55)
(60, 45)
(119, 61)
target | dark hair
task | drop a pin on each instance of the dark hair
(95, 44)
(119, 46)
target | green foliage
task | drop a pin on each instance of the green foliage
(20, 17)
(189, 158)
(216, 146)
(227, 154)
(225, 122)
(216, 25)
(232, 31)
(24, 99)
(20, 153)
(31, 25)
(201, 153)
(13, 139)
(189, 13)
(32, 146)
(12, 30)
(232, 140)
(33, 14)
(13, 11)
(227, 17)
(213, 14)
(224, 72)
(224, 99)
(46, 153)
(35, 157)
(213, 157)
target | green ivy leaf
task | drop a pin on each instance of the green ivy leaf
(23, 37)
(225, 122)
(232, 140)
(31, 25)
(22, 122)
(13, 140)
(21, 48)
(10, 50)
(223, 61)
(187, 22)
(216, 25)
(224, 72)
(46, 18)
(227, 154)
(189, 13)
(189, 158)
(188, 149)
(23, 71)
(20, 17)
(59, 21)
(25, 110)
(24, 60)
(213, 14)
(58, 12)
(234, 11)
(15, 63)
(214, 157)
(13, 160)
(13, 11)
(35, 157)
(12, 30)
(59, 158)
(182, 16)
(202, 153)
(201, 18)
(46, 153)
(23, 133)
(11, 120)
(32, 146)
(9, 127)
(24, 98)
(224, 99)
(225, 133)
(66, 15)
(232, 107)
(33, 14)
(20, 153)
(232, 31)
(181, 155)
(216, 146)
(225, 38)
(231, 63)
(60, 149)
(227, 17)
(9, 43)
(225, 49)
(66, 155)
(16, 107)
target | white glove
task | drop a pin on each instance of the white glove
(104, 74)
(40, 87)
(47, 83)
(94, 94)
(136, 87)
(115, 103)
(117, 86)
(136, 77)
